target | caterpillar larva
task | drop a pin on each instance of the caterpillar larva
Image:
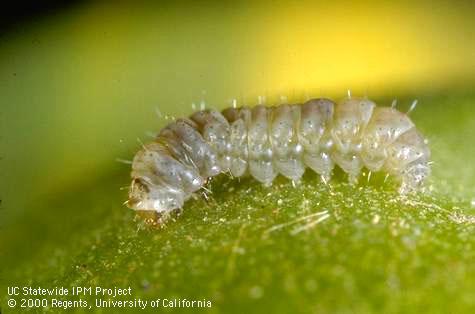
(267, 141)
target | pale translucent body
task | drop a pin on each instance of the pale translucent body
(266, 141)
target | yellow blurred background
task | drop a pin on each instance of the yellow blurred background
(78, 87)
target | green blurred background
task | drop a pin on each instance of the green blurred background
(80, 84)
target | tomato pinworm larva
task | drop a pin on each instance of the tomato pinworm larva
(267, 141)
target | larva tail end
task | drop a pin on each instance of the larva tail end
(413, 178)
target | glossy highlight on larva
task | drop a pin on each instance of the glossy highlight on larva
(267, 141)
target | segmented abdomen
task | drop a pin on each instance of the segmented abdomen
(267, 141)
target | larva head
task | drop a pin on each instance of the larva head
(385, 126)
(150, 189)
(351, 117)
(146, 196)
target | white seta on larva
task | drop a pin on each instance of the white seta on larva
(267, 141)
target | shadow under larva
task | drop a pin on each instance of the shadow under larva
(264, 142)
